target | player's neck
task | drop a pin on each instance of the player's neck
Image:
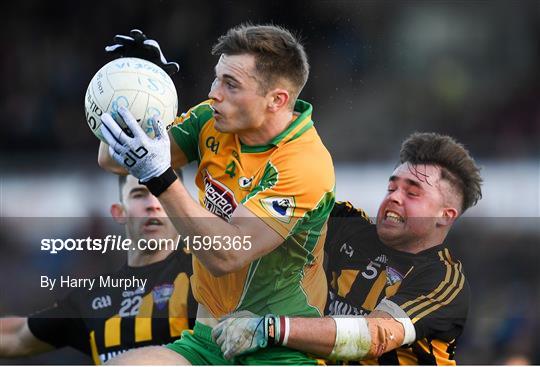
(420, 244)
(137, 258)
(274, 125)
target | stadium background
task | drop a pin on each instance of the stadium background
(379, 71)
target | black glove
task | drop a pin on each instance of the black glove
(138, 45)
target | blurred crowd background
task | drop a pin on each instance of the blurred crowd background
(380, 70)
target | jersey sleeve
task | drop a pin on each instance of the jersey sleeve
(293, 194)
(188, 126)
(345, 222)
(436, 300)
(60, 325)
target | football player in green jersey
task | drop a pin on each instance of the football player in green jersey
(264, 177)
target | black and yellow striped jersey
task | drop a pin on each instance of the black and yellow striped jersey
(105, 322)
(429, 286)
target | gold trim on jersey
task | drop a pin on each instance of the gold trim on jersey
(442, 357)
(301, 125)
(93, 348)
(406, 357)
(375, 291)
(445, 292)
(143, 320)
(345, 282)
(359, 211)
(178, 306)
(112, 331)
(180, 119)
(391, 290)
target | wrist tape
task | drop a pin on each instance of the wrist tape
(156, 185)
(277, 329)
(353, 339)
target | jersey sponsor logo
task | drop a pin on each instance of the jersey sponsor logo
(218, 198)
(101, 302)
(337, 306)
(245, 183)
(161, 295)
(281, 208)
(212, 144)
(347, 249)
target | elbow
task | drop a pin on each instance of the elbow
(216, 271)
(102, 161)
(108, 164)
(224, 267)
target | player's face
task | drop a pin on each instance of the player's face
(409, 213)
(144, 215)
(238, 104)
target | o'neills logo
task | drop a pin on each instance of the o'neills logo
(218, 199)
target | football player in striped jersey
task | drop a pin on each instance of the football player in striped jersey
(397, 295)
(105, 322)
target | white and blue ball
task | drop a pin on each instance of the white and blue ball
(139, 85)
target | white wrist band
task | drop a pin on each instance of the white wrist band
(399, 315)
(353, 339)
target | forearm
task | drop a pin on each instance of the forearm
(106, 162)
(347, 337)
(191, 219)
(16, 339)
(312, 335)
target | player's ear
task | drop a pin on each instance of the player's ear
(449, 215)
(118, 213)
(278, 98)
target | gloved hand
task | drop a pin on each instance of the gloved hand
(142, 156)
(138, 45)
(243, 332)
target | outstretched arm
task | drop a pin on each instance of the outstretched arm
(335, 338)
(16, 339)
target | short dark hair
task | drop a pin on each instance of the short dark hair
(278, 54)
(457, 165)
(122, 179)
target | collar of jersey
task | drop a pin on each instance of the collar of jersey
(299, 126)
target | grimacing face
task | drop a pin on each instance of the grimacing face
(415, 208)
(143, 214)
(239, 106)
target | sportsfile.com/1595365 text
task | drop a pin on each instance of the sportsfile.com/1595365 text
(121, 243)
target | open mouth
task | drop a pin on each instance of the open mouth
(153, 222)
(216, 111)
(393, 216)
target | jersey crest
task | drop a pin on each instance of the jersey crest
(161, 294)
(281, 208)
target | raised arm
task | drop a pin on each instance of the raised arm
(137, 44)
(105, 161)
